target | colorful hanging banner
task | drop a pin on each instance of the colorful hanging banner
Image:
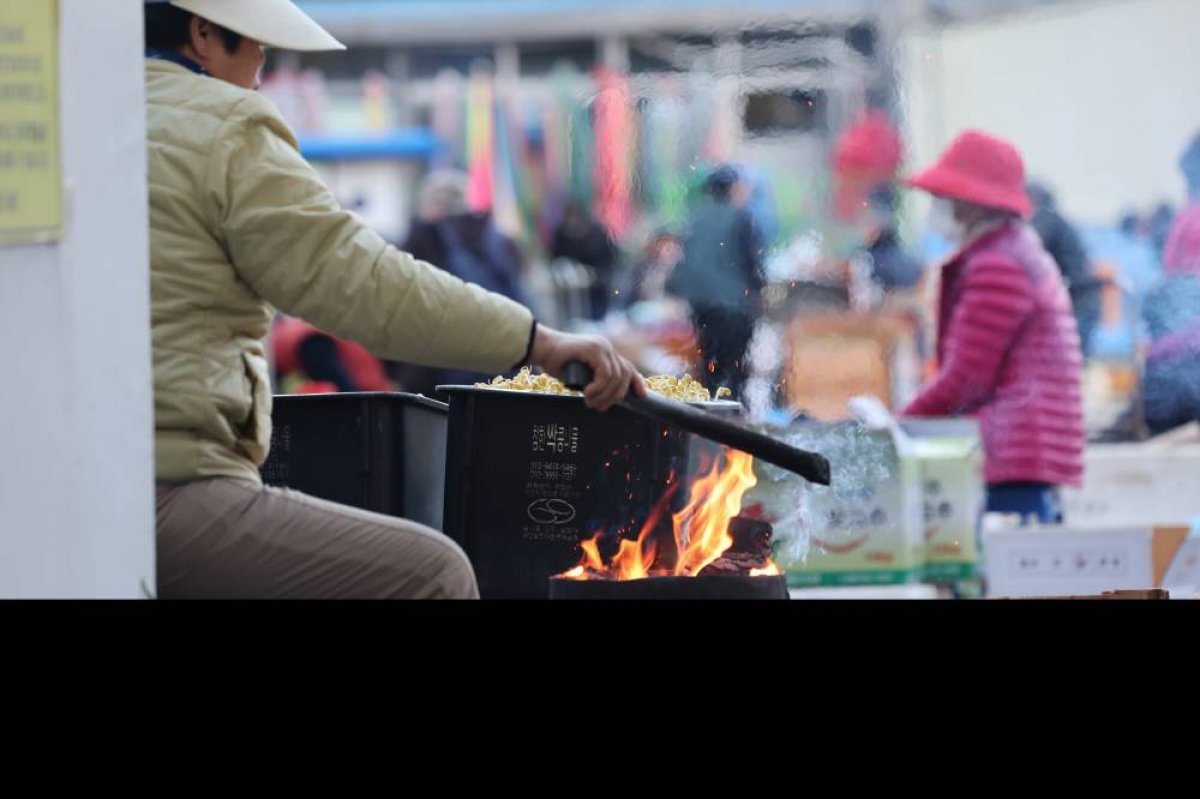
(480, 141)
(614, 152)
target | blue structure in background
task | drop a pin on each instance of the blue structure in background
(413, 144)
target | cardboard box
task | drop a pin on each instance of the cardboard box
(835, 357)
(864, 529)
(1065, 561)
(1136, 485)
(950, 456)
(1183, 575)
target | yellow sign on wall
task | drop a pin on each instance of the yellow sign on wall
(30, 173)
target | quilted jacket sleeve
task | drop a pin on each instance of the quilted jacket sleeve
(300, 251)
(995, 302)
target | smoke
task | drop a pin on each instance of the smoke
(862, 460)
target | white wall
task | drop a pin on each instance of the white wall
(76, 411)
(1101, 96)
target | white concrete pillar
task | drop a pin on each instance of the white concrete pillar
(76, 408)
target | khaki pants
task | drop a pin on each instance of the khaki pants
(227, 538)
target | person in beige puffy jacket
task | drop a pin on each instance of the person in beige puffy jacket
(241, 225)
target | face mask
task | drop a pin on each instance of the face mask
(942, 221)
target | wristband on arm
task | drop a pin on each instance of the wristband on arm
(529, 347)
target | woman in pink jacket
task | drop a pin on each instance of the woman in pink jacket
(1008, 349)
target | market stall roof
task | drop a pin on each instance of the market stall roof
(412, 21)
(408, 21)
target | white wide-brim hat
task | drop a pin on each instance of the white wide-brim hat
(275, 23)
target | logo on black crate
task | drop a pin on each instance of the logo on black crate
(551, 511)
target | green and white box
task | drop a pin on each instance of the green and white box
(950, 457)
(865, 528)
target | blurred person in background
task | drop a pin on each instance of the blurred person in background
(240, 224)
(721, 278)
(647, 281)
(582, 239)
(1133, 226)
(468, 245)
(1182, 250)
(866, 159)
(1161, 222)
(1008, 349)
(866, 156)
(1171, 379)
(1062, 241)
(760, 202)
(891, 267)
(465, 243)
(308, 361)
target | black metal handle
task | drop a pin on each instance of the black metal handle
(577, 374)
(809, 465)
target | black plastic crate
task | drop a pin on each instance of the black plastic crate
(383, 452)
(531, 475)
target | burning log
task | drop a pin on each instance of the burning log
(738, 587)
(750, 551)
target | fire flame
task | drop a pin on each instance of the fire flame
(701, 529)
(634, 559)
